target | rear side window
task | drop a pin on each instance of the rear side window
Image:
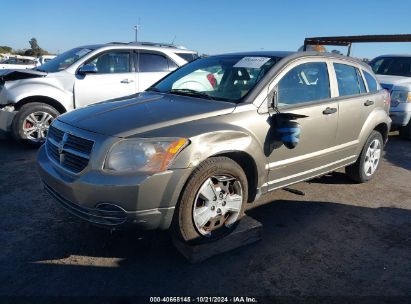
(188, 56)
(152, 63)
(172, 65)
(348, 81)
(304, 83)
(372, 83)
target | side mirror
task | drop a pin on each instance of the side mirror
(287, 130)
(88, 69)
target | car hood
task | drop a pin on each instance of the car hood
(142, 113)
(9, 74)
(390, 81)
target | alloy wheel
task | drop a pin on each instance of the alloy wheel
(372, 157)
(217, 204)
(36, 125)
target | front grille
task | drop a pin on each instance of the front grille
(68, 150)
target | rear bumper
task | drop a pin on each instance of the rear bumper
(140, 201)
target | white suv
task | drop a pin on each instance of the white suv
(19, 62)
(31, 99)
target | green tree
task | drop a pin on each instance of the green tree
(5, 49)
(35, 50)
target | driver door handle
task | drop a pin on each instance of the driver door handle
(329, 111)
(127, 81)
(368, 103)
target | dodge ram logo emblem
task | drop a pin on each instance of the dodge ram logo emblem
(60, 147)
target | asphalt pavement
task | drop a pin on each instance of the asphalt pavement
(340, 239)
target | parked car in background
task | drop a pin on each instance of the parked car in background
(19, 62)
(31, 99)
(193, 160)
(45, 58)
(394, 74)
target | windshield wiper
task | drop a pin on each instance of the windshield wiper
(40, 70)
(189, 92)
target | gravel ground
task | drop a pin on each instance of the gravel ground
(340, 239)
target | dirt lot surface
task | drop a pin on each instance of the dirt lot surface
(339, 239)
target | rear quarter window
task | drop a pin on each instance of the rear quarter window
(188, 56)
(371, 82)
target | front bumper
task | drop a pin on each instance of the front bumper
(400, 118)
(6, 118)
(143, 201)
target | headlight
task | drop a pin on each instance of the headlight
(144, 155)
(400, 97)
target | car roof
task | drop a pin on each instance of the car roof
(259, 53)
(295, 55)
(145, 45)
(394, 55)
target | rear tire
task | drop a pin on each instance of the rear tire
(368, 162)
(31, 123)
(212, 201)
(405, 132)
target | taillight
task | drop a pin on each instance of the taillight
(212, 80)
(387, 99)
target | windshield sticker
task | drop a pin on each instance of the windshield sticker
(251, 62)
(83, 52)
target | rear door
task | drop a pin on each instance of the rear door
(305, 89)
(115, 78)
(355, 104)
(151, 67)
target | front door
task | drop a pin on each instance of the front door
(304, 89)
(114, 78)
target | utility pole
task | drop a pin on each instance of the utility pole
(136, 29)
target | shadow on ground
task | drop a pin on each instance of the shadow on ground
(398, 151)
(308, 248)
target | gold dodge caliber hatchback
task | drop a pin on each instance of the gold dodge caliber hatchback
(200, 145)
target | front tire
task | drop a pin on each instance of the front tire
(366, 166)
(31, 123)
(212, 201)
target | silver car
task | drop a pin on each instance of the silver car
(193, 161)
(31, 99)
(394, 74)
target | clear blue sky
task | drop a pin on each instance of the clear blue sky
(212, 26)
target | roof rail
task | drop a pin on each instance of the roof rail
(159, 44)
(349, 40)
(116, 42)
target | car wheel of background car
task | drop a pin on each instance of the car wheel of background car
(212, 201)
(405, 132)
(31, 123)
(366, 166)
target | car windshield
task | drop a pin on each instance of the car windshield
(64, 60)
(227, 78)
(397, 66)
